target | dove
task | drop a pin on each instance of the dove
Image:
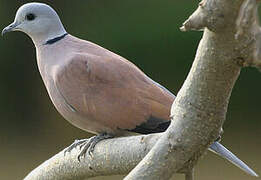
(95, 89)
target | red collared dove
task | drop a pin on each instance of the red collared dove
(93, 88)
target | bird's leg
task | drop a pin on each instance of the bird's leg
(74, 145)
(88, 145)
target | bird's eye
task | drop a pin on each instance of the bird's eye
(30, 17)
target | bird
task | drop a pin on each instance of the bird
(95, 89)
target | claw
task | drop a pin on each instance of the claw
(74, 145)
(84, 147)
(87, 145)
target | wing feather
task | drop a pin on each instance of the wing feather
(112, 92)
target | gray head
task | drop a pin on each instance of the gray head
(37, 20)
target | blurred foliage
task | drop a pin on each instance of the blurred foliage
(145, 32)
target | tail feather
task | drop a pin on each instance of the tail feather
(219, 149)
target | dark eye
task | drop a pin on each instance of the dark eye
(30, 17)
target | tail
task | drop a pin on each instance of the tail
(219, 149)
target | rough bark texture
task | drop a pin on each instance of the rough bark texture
(231, 40)
(248, 31)
(111, 157)
(201, 105)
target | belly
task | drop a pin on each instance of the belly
(71, 114)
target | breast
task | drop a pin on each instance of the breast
(63, 107)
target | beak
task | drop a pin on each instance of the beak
(11, 27)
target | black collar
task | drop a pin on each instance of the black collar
(54, 40)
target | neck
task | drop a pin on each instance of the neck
(55, 39)
(49, 36)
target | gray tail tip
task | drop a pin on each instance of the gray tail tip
(219, 149)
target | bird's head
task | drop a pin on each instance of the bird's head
(37, 20)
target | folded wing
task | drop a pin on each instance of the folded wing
(115, 93)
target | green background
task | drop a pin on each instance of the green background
(145, 32)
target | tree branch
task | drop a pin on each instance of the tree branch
(200, 107)
(111, 157)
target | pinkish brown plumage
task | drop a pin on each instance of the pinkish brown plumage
(99, 91)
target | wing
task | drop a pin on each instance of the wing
(114, 93)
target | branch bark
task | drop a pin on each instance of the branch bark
(248, 30)
(111, 157)
(190, 175)
(200, 107)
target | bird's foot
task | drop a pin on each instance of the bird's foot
(87, 145)
(74, 145)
